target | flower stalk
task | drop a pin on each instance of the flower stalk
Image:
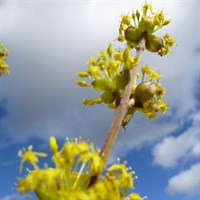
(123, 106)
(120, 111)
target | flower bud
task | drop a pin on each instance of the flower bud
(53, 144)
(126, 20)
(144, 91)
(82, 83)
(103, 85)
(166, 22)
(120, 38)
(137, 15)
(126, 54)
(154, 43)
(131, 34)
(109, 50)
(90, 102)
(82, 74)
(118, 56)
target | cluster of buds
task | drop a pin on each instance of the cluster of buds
(135, 27)
(146, 97)
(75, 163)
(3, 56)
(109, 74)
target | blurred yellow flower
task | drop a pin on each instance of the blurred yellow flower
(30, 157)
(3, 56)
(75, 163)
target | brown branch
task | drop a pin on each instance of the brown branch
(122, 108)
(120, 112)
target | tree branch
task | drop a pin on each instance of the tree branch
(122, 108)
(120, 112)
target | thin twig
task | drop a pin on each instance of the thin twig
(122, 108)
(120, 112)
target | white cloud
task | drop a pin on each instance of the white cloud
(46, 50)
(13, 197)
(186, 182)
(172, 150)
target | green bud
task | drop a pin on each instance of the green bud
(137, 15)
(131, 34)
(120, 38)
(144, 92)
(126, 54)
(103, 85)
(93, 71)
(126, 20)
(166, 22)
(118, 56)
(82, 74)
(109, 50)
(133, 16)
(82, 83)
(90, 102)
(154, 43)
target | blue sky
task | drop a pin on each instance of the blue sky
(49, 41)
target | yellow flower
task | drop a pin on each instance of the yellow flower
(75, 164)
(163, 106)
(160, 91)
(134, 196)
(123, 178)
(152, 75)
(168, 41)
(53, 145)
(3, 56)
(30, 157)
(164, 51)
(159, 19)
(93, 71)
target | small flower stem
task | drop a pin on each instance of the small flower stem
(122, 108)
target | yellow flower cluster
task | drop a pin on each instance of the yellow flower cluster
(75, 163)
(109, 74)
(135, 27)
(3, 56)
(146, 97)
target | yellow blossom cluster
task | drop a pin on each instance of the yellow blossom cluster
(135, 27)
(3, 56)
(74, 165)
(146, 97)
(109, 74)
